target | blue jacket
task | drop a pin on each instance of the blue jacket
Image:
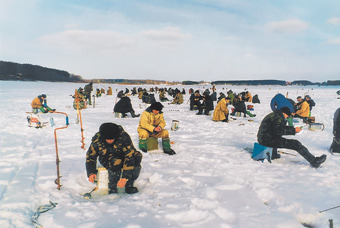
(280, 101)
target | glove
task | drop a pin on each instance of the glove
(92, 178)
(122, 182)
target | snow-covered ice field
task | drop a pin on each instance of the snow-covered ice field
(211, 181)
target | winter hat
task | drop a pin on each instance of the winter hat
(156, 106)
(299, 97)
(307, 96)
(286, 110)
(43, 95)
(109, 131)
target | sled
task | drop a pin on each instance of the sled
(35, 120)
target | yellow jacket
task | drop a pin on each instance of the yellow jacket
(248, 97)
(109, 91)
(149, 121)
(140, 94)
(36, 103)
(221, 110)
(303, 109)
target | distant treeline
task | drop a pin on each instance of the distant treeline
(28, 72)
(274, 82)
(251, 82)
(128, 81)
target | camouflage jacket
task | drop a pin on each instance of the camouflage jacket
(119, 155)
(272, 128)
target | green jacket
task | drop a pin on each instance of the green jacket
(120, 155)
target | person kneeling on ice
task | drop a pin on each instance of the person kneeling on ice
(274, 126)
(152, 124)
(40, 104)
(116, 152)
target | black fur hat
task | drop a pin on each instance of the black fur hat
(156, 106)
(286, 110)
(109, 131)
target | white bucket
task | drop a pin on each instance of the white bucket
(316, 127)
(118, 115)
(174, 125)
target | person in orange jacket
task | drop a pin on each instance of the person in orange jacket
(40, 104)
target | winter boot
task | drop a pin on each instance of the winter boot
(129, 188)
(275, 155)
(133, 114)
(318, 161)
(166, 147)
(113, 180)
(142, 145)
(251, 115)
(314, 161)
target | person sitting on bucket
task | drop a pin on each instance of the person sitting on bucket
(116, 152)
(302, 108)
(40, 103)
(273, 127)
(152, 124)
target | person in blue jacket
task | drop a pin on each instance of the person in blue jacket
(279, 101)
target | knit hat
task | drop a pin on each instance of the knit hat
(156, 106)
(299, 97)
(286, 110)
(43, 95)
(109, 131)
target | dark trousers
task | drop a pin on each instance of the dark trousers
(292, 144)
(114, 177)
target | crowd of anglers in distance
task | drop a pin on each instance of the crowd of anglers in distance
(114, 149)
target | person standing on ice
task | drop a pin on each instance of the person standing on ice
(152, 124)
(116, 152)
(335, 147)
(40, 104)
(274, 126)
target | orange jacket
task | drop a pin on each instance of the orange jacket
(36, 103)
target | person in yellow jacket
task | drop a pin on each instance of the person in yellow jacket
(40, 104)
(221, 111)
(109, 91)
(303, 109)
(152, 123)
(248, 97)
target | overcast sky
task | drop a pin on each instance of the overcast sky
(176, 40)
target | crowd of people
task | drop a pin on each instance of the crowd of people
(114, 149)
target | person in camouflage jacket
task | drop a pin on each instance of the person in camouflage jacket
(274, 126)
(113, 147)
